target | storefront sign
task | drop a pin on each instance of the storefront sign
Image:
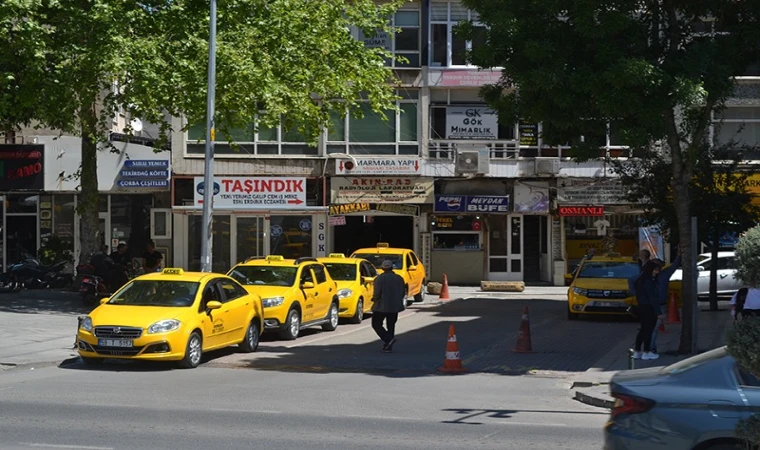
(379, 166)
(473, 203)
(528, 134)
(581, 211)
(144, 174)
(337, 220)
(471, 122)
(21, 167)
(46, 218)
(255, 192)
(454, 78)
(602, 192)
(532, 198)
(321, 226)
(382, 190)
(352, 208)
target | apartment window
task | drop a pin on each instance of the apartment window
(405, 43)
(276, 141)
(740, 124)
(391, 133)
(448, 49)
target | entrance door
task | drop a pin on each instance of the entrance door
(532, 243)
(249, 238)
(505, 248)
(104, 231)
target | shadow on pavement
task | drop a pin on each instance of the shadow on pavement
(42, 302)
(467, 416)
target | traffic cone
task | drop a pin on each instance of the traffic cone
(444, 295)
(523, 336)
(673, 315)
(452, 363)
(662, 327)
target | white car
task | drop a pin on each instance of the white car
(727, 284)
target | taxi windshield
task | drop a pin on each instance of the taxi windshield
(377, 259)
(608, 269)
(341, 272)
(156, 293)
(265, 275)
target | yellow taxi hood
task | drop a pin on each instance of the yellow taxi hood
(607, 284)
(347, 284)
(135, 316)
(268, 291)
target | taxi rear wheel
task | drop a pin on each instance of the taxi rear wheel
(332, 318)
(359, 314)
(193, 352)
(251, 340)
(292, 326)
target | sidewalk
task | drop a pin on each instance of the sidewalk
(592, 387)
(37, 327)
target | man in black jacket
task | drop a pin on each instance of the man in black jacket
(389, 299)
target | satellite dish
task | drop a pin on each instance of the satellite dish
(137, 125)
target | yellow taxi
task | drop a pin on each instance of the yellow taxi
(354, 278)
(405, 263)
(600, 286)
(295, 293)
(171, 315)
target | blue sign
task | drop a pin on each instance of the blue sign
(145, 173)
(147, 163)
(202, 185)
(143, 183)
(275, 230)
(495, 204)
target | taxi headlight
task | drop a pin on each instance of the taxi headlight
(272, 301)
(86, 324)
(581, 291)
(345, 293)
(164, 326)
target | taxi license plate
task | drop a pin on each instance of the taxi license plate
(606, 304)
(123, 343)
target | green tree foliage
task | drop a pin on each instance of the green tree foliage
(748, 259)
(643, 66)
(294, 59)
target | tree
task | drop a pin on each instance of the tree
(290, 59)
(641, 66)
(719, 190)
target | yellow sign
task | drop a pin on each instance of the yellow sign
(337, 255)
(337, 210)
(577, 248)
(753, 187)
(275, 258)
(173, 272)
(382, 190)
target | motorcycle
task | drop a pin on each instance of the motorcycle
(30, 273)
(92, 288)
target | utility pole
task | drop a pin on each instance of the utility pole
(694, 287)
(207, 242)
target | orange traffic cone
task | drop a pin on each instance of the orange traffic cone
(673, 315)
(523, 336)
(662, 327)
(452, 363)
(444, 295)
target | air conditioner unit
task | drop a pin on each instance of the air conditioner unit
(473, 161)
(547, 166)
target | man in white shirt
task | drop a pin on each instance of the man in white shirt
(750, 306)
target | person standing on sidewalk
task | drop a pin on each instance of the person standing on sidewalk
(648, 299)
(389, 300)
(746, 302)
(663, 281)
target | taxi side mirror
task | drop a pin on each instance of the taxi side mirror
(213, 304)
(569, 276)
(103, 301)
(412, 268)
(307, 285)
(368, 280)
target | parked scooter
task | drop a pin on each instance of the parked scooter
(92, 288)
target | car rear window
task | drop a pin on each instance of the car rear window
(695, 361)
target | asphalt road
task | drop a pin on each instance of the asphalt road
(139, 407)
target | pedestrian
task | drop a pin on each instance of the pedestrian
(644, 257)
(746, 302)
(663, 281)
(648, 299)
(389, 299)
(152, 258)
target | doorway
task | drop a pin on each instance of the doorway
(505, 247)
(20, 237)
(532, 253)
(367, 231)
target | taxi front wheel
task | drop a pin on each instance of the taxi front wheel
(332, 318)
(193, 352)
(292, 326)
(359, 314)
(251, 340)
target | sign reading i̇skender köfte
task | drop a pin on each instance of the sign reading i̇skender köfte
(254, 192)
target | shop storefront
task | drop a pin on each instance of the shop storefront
(365, 210)
(253, 217)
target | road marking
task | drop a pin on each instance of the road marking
(6, 388)
(534, 424)
(75, 447)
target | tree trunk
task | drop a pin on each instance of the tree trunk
(681, 200)
(88, 206)
(714, 269)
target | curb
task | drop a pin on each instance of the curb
(592, 399)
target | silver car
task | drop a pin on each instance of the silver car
(693, 404)
(727, 283)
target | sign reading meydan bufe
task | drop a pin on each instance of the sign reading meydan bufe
(381, 190)
(254, 192)
(495, 204)
(144, 174)
(471, 122)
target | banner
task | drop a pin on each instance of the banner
(471, 122)
(532, 198)
(650, 239)
(254, 192)
(381, 190)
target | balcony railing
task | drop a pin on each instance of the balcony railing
(501, 150)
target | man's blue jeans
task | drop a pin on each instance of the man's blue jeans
(653, 346)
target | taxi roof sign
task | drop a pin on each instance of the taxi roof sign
(382, 245)
(275, 258)
(337, 255)
(173, 271)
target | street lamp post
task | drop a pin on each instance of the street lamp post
(208, 180)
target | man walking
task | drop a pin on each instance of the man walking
(389, 300)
